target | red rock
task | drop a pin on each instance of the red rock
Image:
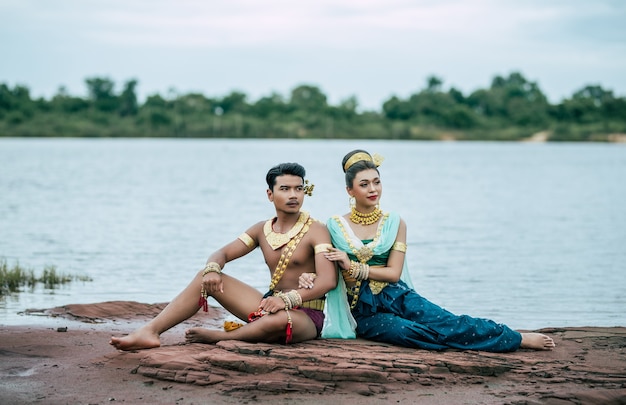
(587, 366)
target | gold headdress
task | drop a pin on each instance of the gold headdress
(359, 156)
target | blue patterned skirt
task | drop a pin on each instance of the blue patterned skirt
(400, 316)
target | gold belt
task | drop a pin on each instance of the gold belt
(314, 304)
(377, 286)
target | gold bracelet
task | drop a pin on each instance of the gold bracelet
(354, 269)
(365, 272)
(292, 299)
(211, 267)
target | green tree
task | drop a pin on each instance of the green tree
(346, 109)
(397, 109)
(434, 84)
(64, 103)
(513, 100)
(235, 102)
(16, 106)
(270, 106)
(457, 95)
(195, 103)
(101, 94)
(155, 110)
(309, 99)
(128, 99)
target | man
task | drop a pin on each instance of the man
(292, 243)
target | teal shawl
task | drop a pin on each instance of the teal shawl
(339, 322)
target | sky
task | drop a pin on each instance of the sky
(368, 49)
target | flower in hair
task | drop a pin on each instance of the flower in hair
(308, 188)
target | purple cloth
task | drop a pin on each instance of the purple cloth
(316, 316)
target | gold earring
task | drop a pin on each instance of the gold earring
(352, 202)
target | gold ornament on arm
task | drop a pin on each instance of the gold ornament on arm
(322, 248)
(247, 240)
(399, 246)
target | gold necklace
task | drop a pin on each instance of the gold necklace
(277, 240)
(365, 219)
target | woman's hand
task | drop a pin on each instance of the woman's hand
(306, 280)
(338, 256)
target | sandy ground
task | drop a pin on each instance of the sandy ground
(69, 361)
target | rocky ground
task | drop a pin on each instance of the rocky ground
(76, 365)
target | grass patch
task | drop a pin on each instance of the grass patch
(12, 279)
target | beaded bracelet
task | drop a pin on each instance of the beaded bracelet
(291, 299)
(211, 267)
(359, 271)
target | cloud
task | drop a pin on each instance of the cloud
(395, 24)
(370, 48)
(277, 22)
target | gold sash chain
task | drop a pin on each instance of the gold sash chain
(363, 255)
(286, 254)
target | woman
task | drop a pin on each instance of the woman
(369, 249)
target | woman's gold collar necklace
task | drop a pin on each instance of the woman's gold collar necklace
(365, 219)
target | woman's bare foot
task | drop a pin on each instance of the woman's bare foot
(139, 339)
(536, 341)
(202, 335)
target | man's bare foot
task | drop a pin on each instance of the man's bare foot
(139, 339)
(202, 335)
(536, 341)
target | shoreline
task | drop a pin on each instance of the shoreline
(73, 362)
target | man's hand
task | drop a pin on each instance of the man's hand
(272, 304)
(212, 283)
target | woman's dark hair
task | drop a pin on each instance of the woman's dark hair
(280, 170)
(356, 167)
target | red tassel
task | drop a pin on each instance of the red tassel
(289, 333)
(203, 303)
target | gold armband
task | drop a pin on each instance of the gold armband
(211, 267)
(399, 246)
(322, 248)
(247, 240)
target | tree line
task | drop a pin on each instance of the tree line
(512, 108)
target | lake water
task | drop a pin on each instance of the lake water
(531, 235)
